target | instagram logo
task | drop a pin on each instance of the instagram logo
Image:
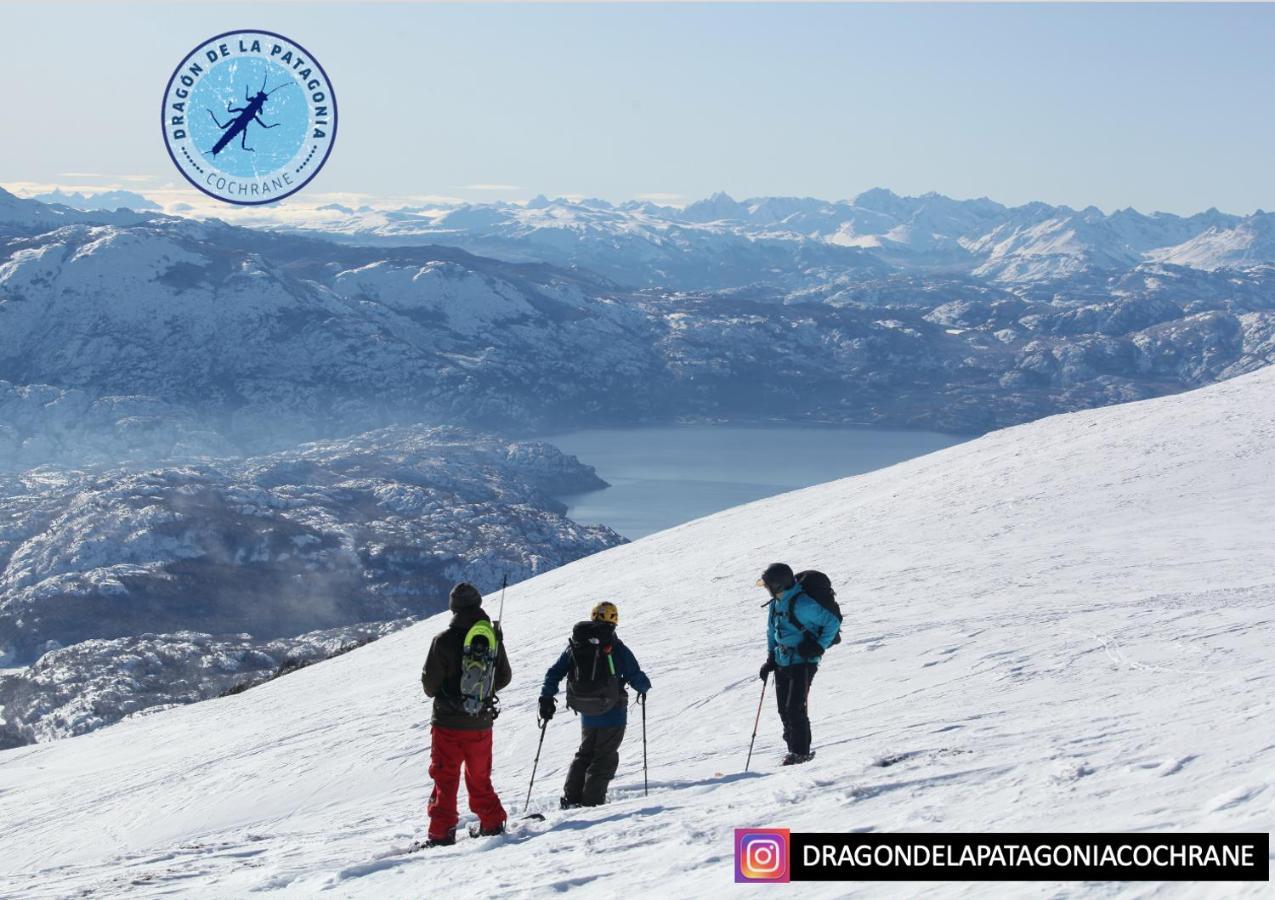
(761, 854)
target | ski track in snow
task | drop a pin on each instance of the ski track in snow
(1062, 626)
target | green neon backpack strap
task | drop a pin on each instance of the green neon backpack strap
(482, 628)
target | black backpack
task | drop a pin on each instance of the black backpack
(818, 587)
(593, 687)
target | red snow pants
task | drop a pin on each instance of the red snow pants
(450, 748)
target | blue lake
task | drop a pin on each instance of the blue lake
(666, 475)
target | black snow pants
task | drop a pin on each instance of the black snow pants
(792, 690)
(594, 765)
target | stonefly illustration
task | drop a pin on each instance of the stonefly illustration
(238, 126)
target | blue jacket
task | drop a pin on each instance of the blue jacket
(782, 636)
(626, 668)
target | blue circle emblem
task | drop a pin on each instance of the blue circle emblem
(249, 117)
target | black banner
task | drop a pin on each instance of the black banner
(1029, 857)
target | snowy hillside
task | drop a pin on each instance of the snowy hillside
(1061, 626)
(1246, 243)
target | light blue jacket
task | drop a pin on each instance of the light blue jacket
(783, 636)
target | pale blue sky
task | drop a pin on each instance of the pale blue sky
(1158, 107)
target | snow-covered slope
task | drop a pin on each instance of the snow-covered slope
(1246, 243)
(1061, 626)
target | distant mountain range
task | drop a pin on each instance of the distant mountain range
(720, 242)
(129, 336)
(102, 200)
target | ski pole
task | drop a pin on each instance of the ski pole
(534, 765)
(756, 721)
(645, 785)
(504, 583)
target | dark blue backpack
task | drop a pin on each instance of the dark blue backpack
(818, 587)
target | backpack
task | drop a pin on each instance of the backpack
(593, 688)
(478, 655)
(818, 587)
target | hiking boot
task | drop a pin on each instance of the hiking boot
(564, 803)
(796, 759)
(446, 840)
(479, 831)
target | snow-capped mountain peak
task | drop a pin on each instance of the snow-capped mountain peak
(644, 244)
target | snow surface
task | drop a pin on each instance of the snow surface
(1061, 626)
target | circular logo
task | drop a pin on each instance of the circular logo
(249, 117)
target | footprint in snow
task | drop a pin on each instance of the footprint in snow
(1234, 798)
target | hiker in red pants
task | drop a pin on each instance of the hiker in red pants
(465, 668)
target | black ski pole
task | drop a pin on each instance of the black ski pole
(534, 765)
(756, 720)
(645, 785)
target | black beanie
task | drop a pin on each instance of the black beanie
(464, 596)
(778, 577)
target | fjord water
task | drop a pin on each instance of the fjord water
(662, 476)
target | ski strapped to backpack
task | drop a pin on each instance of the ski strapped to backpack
(478, 657)
(818, 587)
(593, 687)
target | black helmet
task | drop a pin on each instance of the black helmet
(777, 578)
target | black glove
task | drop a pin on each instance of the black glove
(767, 667)
(810, 648)
(547, 705)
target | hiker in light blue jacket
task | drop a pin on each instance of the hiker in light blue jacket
(798, 631)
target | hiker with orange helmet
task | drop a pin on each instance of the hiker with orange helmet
(598, 668)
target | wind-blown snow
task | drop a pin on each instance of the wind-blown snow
(1061, 626)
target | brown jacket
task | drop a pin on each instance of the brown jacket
(441, 675)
